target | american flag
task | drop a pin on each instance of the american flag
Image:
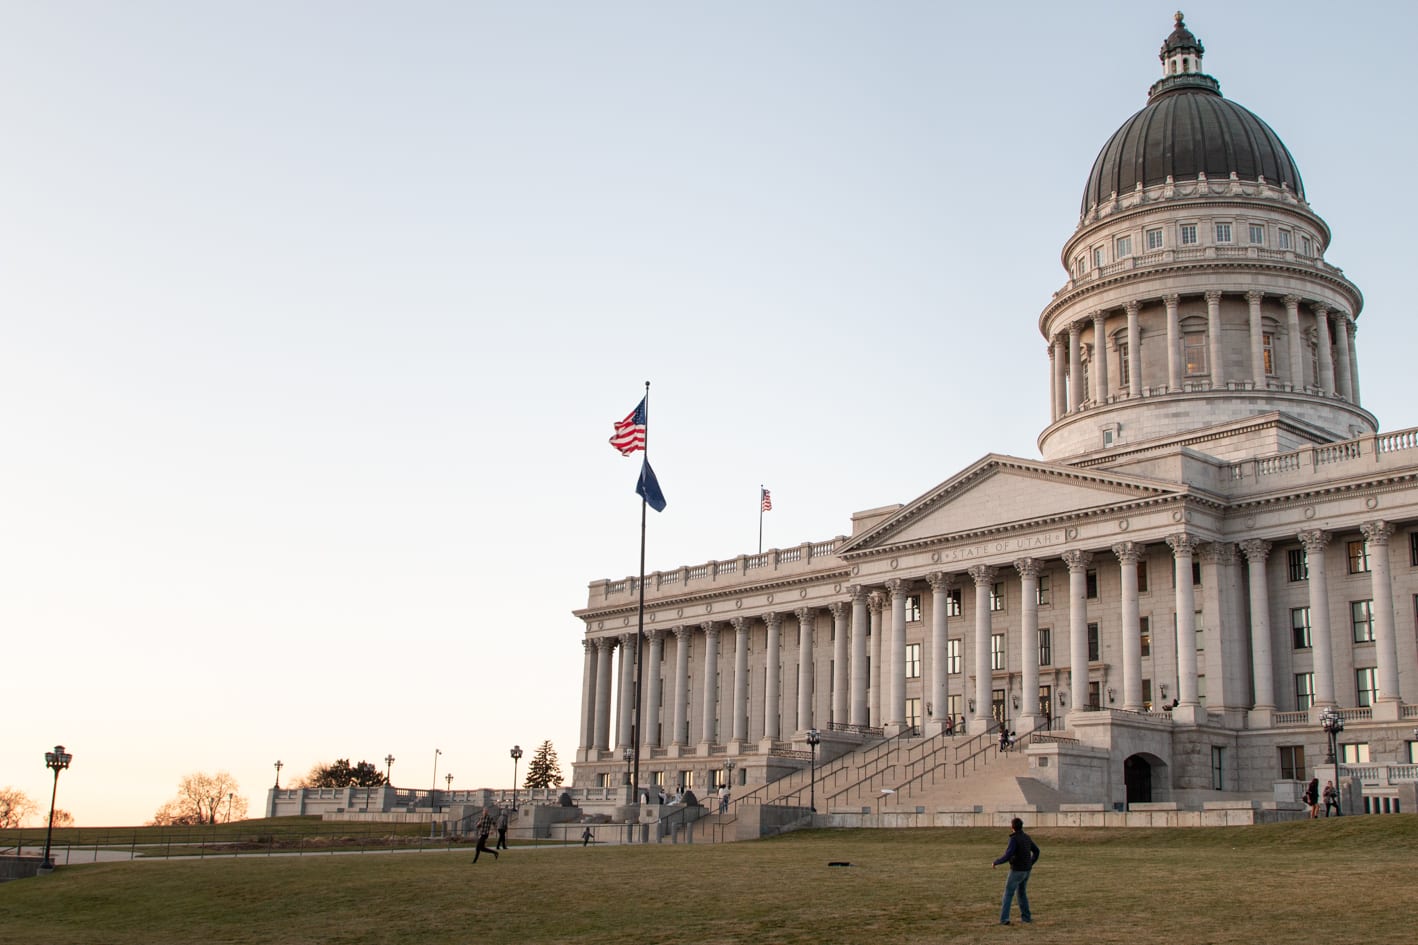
(767, 504)
(630, 433)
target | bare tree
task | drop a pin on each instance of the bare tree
(15, 807)
(203, 799)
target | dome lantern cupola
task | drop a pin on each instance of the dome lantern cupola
(1181, 65)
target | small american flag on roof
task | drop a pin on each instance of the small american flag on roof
(629, 433)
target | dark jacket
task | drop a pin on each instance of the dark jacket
(1021, 854)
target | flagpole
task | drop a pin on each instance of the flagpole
(760, 518)
(640, 625)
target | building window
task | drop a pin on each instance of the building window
(997, 704)
(913, 608)
(1354, 754)
(1196, 581)
(1046, 650)
(1366, 683)
(952, 602)
(1093, 649)
(1144, 626)
(952, 657)
(1223, 232)
(1218, 772)
(1041, 595)
(1194, 350)
(1307, 246)
(1413, 753)
(1123, 247)
(1098, 258)
(1188, 233)
(1142, 576)
(1147, 695)
(1297, 566)
(1284, 239)
(1154, 239)
(913, 661)
(1124, 366)
(1361, 615)
(1257, 234)
(1267, 341)
(997, 651)
(686, 780)
(1300, 627)
(1413, 548)
(1304, 691)
(1292, 763)
(1095, 694)
(1046, 701)
(1358, 557)
(1080, 266)
(913, 711)
(1091, 585)
(997, 597)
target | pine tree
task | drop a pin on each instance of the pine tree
(543, 771)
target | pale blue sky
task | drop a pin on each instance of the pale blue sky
(314, 319)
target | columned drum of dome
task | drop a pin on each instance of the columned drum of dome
(1198, 290)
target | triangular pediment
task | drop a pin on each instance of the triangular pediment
(1000, 493)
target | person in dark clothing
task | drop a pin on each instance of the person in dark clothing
(1331, 799)
(484, 829)
(1312, 797)
(1021, 855)
(586, 836)
(501, 831)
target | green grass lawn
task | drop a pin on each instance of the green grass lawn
(1353, 879)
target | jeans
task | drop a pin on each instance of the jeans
(1018, 882)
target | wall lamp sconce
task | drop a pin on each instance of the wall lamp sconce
(1163, 689)
(1015, 701)
(930, 709)
(971, 703)
(1063, 698)
(1111, 695)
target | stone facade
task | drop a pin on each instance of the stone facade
(1216, 546)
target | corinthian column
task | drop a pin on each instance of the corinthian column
(1174, 343)
(1077, 562)
(711, 681)
(627, 691)
(1326, 353)
(1352, 330)
(586, 734)
(1134, 349)
(1127, 553)
(1257, 332)
(876, 602)
(683, 638)
(984, 576)
(1321, 639)
(1261, 662)
(740, 727)
(940, 672)
(1297, 348)
(1341, 357)
(650, 716)
(1075, 369)
(1100, 363)
(860, 633)
(1028, 570)
(1381, 590)
(604, 646)
(1060, 362)
(840, 613)
(771, 696)
(1213, 331)
(896, 710)
(1053, 384)
(1183, 547)
(805, 668)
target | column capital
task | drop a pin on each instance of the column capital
(1171, 300)
(626, 639)
(839, 609)
(711, 629)
(1255, 550)
(588, 645)
(898, 587)
(983, 574)
(1133, 307)
(1320, 309)
(1027, 567)
(772, 619)
(940, 580)
(876, 601)
(1218, 552)
(605, 643)
(1377, 532)
(1099, 317)
(1127, 552)
(682, 632)
(805, 614)
(1314, 540)
(1077, 560)
(1052, 352)
(1255, 296)
(857, 593)
(1074, 330)
(740, 624)
(654, 634)
(1292, 302)
(1182, 544)
(1213, 297)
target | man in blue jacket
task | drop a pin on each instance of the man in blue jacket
(1021, 855)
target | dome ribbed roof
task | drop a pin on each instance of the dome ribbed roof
(1188, 128)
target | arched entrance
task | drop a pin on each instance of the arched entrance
(1137, 776)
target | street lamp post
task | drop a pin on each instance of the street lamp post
(1333, 723)
(56, 760)
(279, 766)
(516, 755)
(433, 795)
(230, 801)
(628, 756)
(388, 767)
(814, 738)
(728, 785)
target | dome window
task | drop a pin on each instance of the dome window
(1257, 234)
(1307, 246)
(1123, 249)
(1187, 232)
(1223, 232)
(1284, 239)
(1154, 239)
